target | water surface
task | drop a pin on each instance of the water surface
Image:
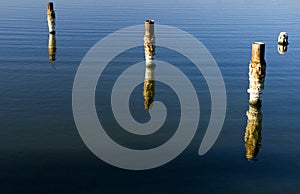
(41, 150)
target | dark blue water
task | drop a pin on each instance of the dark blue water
(41, 150)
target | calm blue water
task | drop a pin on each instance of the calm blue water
(41, 150)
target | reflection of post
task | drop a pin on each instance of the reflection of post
(149, 46)
(282, 48)
(257, 72)
(253, 131)
(51, 18)
(52, 47)
(149, 85)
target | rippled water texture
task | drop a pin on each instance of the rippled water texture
(41, 150)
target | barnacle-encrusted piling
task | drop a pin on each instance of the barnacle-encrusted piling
(283, 38)
(257, 72)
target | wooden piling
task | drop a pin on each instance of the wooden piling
(149, 27)
(149, 40)
(149, 47)
(51, 17)
(50, 6)
(258, 51)
(283, 38)
(257, 72)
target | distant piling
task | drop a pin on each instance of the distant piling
(52, 47)
(149, 47)
(282, 43)
(257, 72)
(283, 38)
(51, 18)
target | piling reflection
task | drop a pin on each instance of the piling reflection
(149, 47)
(253, 131)
(149, 85)
(282, 48)
(52, 47)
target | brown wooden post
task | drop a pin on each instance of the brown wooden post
(149, 40)
(257, 72)
(51, 18)
(149, 27)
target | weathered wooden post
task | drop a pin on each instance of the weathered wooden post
(257, 72)
(52, 47)
(149, 40)
(149, 47)
(51, 18)
(253, 131)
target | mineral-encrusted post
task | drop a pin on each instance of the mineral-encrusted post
(283, 38)
(149, 47)
(149, 40)
(51, 18)
(52, 47)
(253, 131)
(257, 72)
